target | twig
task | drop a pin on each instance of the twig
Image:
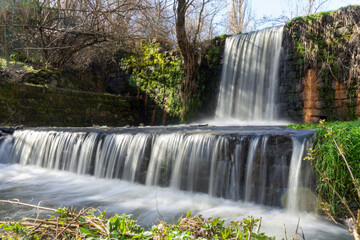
(37, 216)
(73, 220)
(157, 207)
(259, 226)
(297, 228)
(285, 232)
(28, 205)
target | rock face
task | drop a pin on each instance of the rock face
(320, 68)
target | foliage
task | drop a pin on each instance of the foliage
(205, 82)
(200, 228)
(67, 223)
(157, 73)
(347, 201)
(328, 159)
(17, 65)
(314, 17)
(224, 36)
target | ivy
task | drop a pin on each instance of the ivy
(157, 73)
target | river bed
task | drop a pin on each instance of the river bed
(148, 204)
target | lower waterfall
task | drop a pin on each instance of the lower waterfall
(227, 172)
(236, 163)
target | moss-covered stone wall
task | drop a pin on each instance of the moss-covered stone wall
(33, 105)
(320, 71)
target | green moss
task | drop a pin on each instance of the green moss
(224, 36)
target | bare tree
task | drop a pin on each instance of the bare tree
(297, 8)
(157, 22)
(59, 29)
(239, 16)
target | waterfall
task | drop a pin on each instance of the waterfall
(249, 169)
(249, 80)
(224, 163)
(252, 164)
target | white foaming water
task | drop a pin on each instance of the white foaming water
(249, 80)
(148, 203)
(295, 168)
(249, 185)
(233, 163)
(236, 122)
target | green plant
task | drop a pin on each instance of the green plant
(328, 159)
(353, 215)
(157, 75)
(92, 224)
(19, 57)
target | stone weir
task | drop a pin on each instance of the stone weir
(254, 164)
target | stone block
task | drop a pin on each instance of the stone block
(339, 103)
(315, 112)
(308, 104)
(314, 119)
(299, 88)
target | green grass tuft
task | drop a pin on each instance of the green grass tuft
(329, 161)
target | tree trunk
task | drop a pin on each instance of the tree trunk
(190, 55)
(5, 42)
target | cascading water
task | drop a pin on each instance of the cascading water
(231, 162)
(246, 165)
(249, 80)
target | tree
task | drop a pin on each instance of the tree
(304, 7)
(189, 38)
(239, 16)
(294, 8)
(157, 22)
(60, 29)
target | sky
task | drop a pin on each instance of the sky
(265, 10)
(274, 8)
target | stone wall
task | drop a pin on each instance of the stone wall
(358, 104)
(33, 105)
(320, 68)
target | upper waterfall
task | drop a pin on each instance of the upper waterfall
(249, 80)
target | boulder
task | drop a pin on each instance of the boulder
(7, 130)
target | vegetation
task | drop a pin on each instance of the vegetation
(336, 156)
(67, 223)
(158, 74)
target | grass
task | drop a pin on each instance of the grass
(67, 223)
(329, 161)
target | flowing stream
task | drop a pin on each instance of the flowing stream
(163, 172)
(160, 173)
